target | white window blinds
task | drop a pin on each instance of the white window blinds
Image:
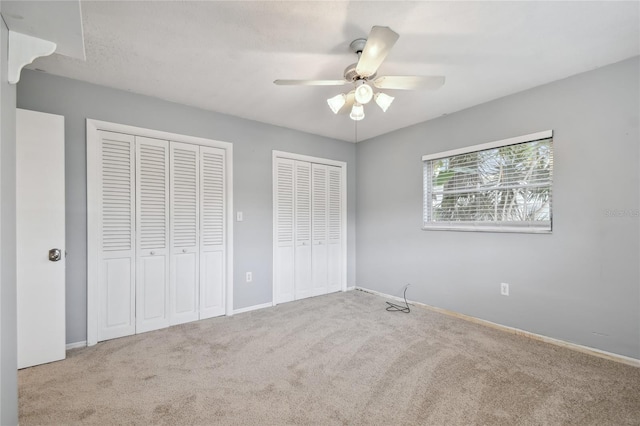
(500, 186)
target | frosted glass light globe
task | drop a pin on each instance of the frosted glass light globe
(357, 112)
(337, 102)
(364, 93)
(383, 101)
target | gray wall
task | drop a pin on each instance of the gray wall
(581, 283)
(253, 143)
(8, 330)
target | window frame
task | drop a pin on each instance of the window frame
(505, 226)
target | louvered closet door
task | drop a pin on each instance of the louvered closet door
(334, 254)
(152, 212)
(184, 233)
(212, 232)
(116, 260)
(284, 230)
(302, 191)
(319, 230)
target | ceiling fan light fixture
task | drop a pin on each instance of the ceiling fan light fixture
(383, 100)
(357, 112)
(363, 78)
(364, 92)
(337, 102)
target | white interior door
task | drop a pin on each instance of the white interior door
(40, 227)
(185, 231)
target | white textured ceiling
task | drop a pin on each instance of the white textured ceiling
(224, 56)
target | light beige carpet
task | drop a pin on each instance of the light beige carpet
(336, 359)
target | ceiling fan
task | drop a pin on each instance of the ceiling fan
(363, 74)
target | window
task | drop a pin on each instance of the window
(498, 186)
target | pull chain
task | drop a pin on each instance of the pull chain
(356, 131)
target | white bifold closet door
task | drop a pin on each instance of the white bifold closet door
(162, 240)
(213, 232)
(116, 264)
(334, 227)
(308, 258)
(185, 241)
(133, 268)
(284, 224)
(303, 249)
(198, 233)
(319, 253)
(152, 242)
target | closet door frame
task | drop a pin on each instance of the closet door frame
(343, 220)
(93, 209)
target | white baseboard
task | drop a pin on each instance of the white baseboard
(351, 288)
(562, 343)
(76, 345)
(252, 308)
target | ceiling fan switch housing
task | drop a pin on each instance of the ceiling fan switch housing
(358, 44)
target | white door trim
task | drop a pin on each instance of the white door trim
(93, 138)
(343, 176)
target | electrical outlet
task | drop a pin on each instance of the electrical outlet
(249, 277)
(504, 289)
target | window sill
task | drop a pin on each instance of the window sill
(500, 229)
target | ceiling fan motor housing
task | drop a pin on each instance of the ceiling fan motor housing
(350, 74)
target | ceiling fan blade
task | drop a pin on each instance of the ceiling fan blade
(310, 82)
(378, 46)
(409, 82)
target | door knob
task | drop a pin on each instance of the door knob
(55, 255)
(184, 250)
